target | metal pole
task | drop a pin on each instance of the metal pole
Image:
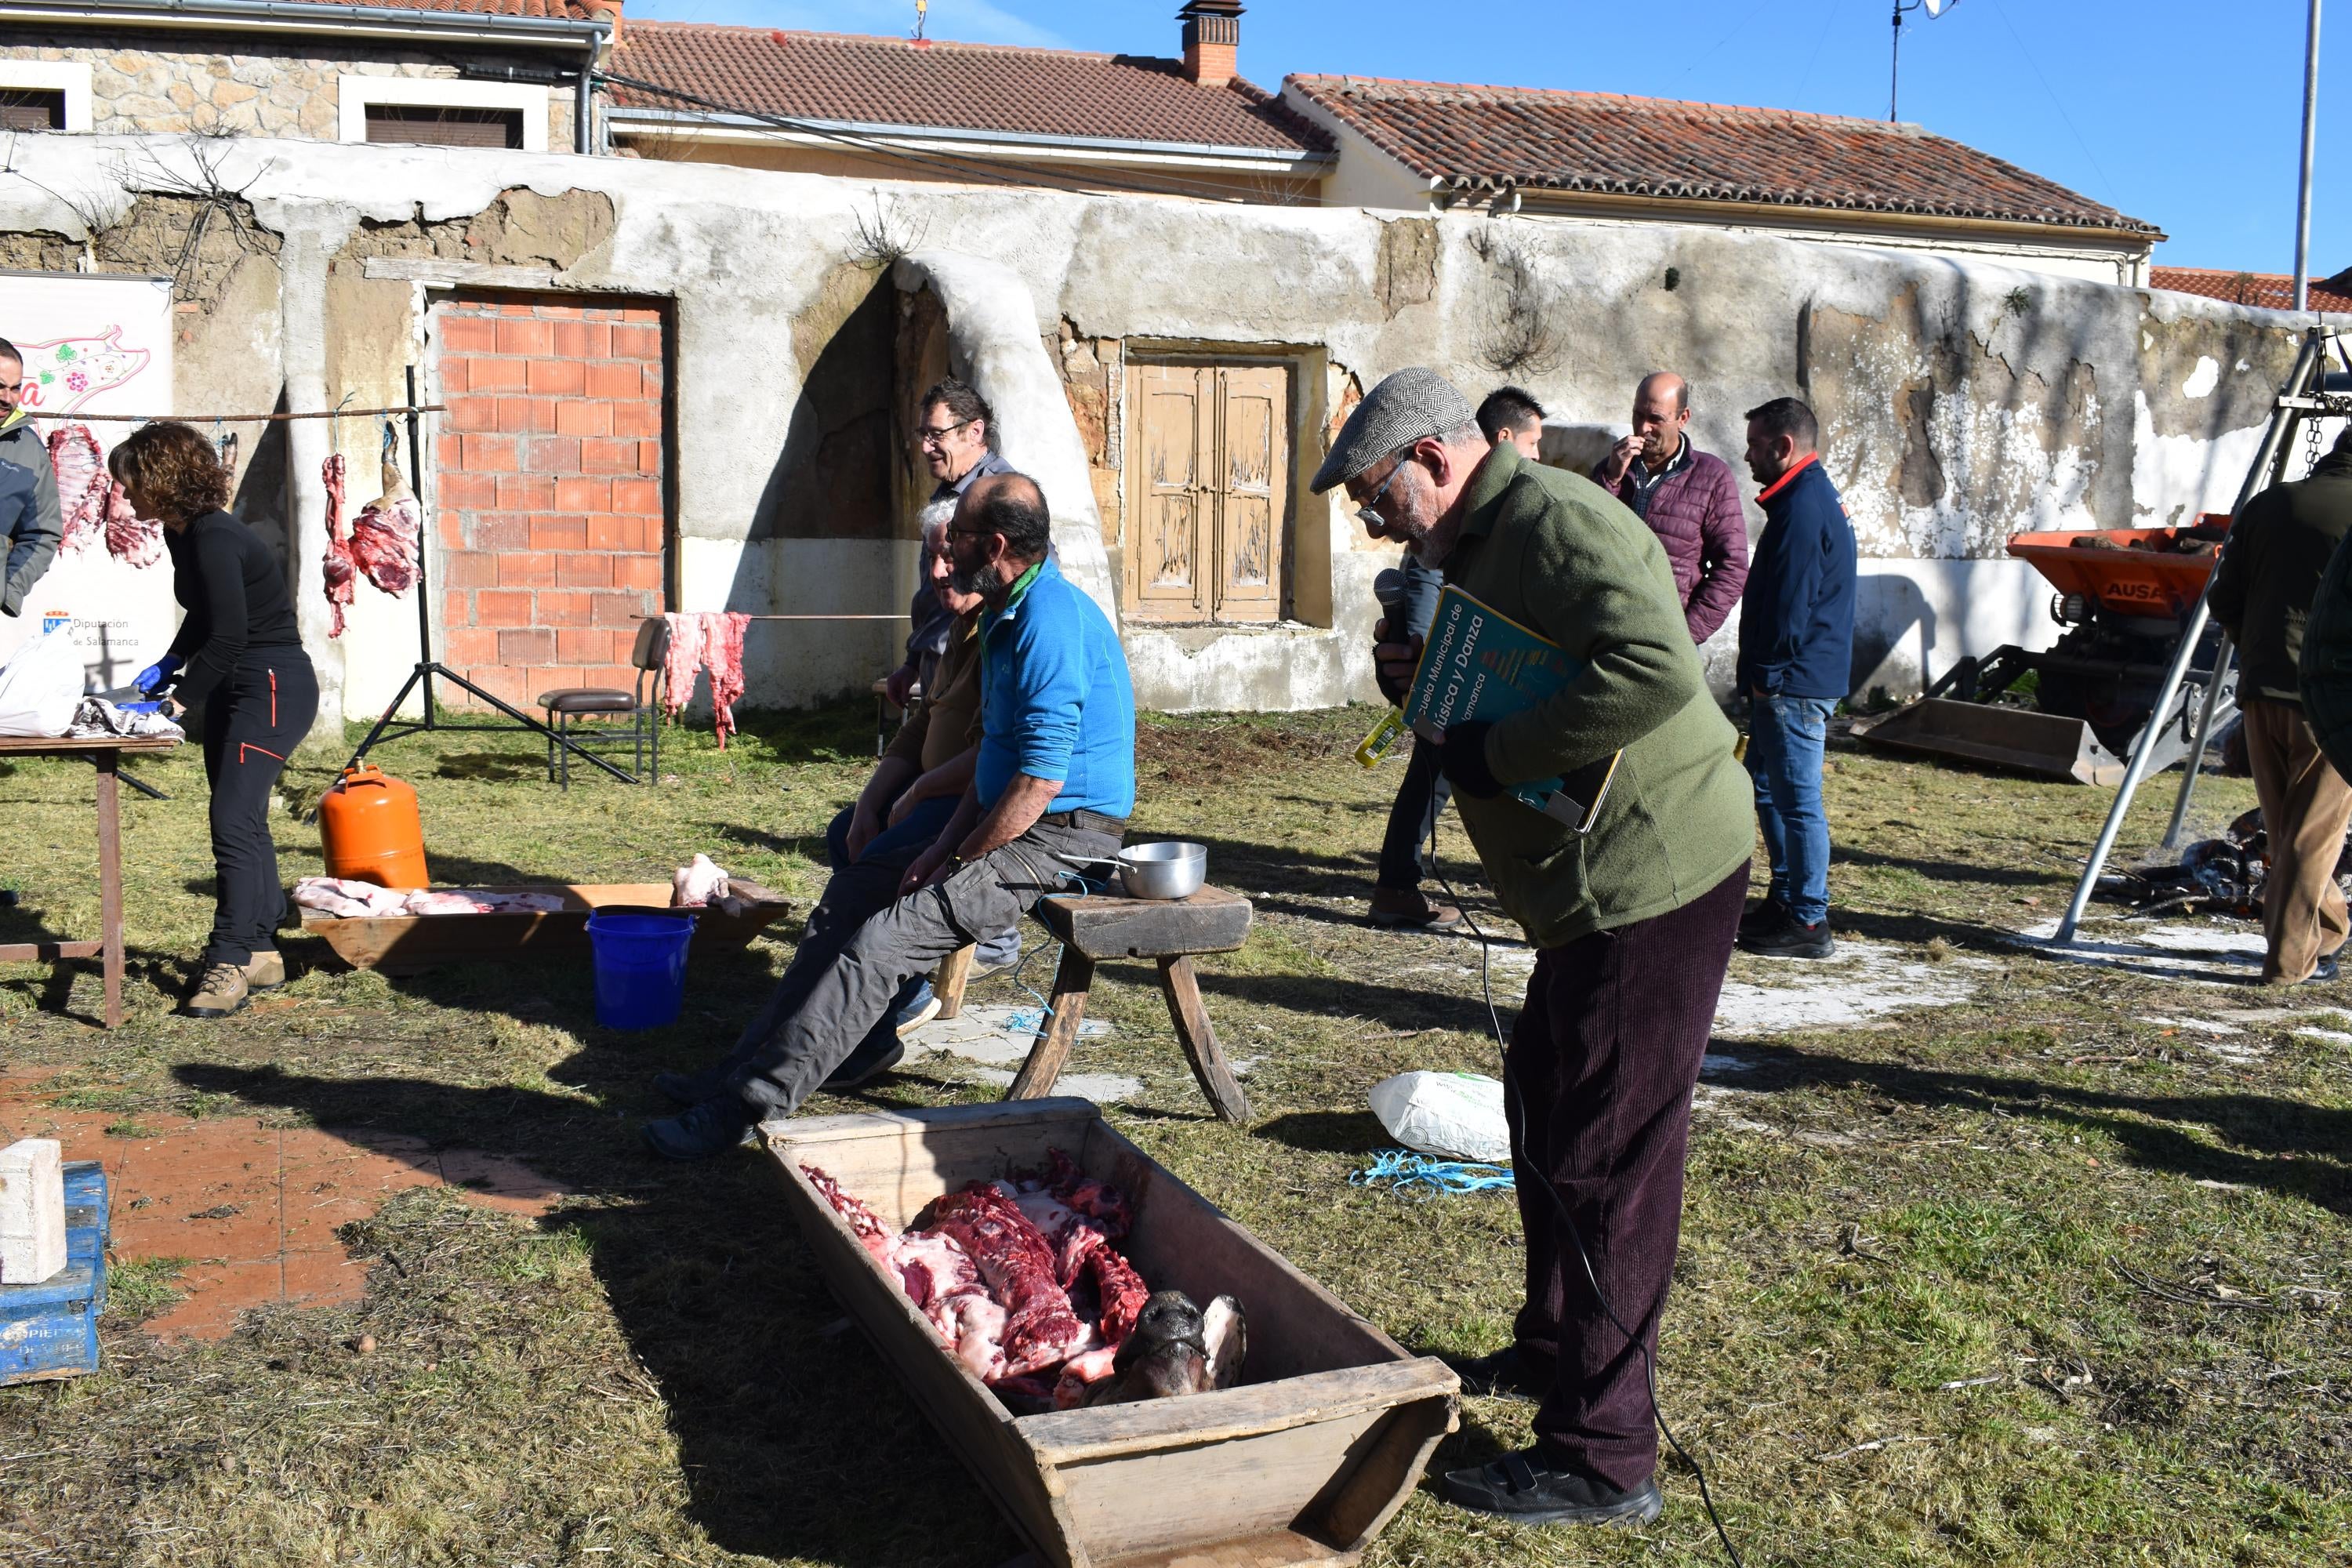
(1894, 69)
(2196, 762)
(423, 549)
(2310, 146)
(2282, 421)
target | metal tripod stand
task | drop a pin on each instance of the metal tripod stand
(390, 727)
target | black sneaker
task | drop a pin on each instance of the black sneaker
(691, 1088)
(1527, 1489)
(711, 1128)
(2323, 974)
(1507, 1373)
(1769, 915)
(1791, 940)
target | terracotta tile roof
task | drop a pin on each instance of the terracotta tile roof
(2268, 290)
(1609, 144)
(551, 10)
(962, 87)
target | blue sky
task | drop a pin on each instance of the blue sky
(2183, 112)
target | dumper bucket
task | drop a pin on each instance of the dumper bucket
(2017, 738)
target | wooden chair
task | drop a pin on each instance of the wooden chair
(1096, 929)
(641, 706)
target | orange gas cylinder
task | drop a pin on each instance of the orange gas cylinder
(370, 830)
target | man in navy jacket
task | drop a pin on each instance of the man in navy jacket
(1796, 646)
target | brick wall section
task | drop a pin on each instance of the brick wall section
(551, 497)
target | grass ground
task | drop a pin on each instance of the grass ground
(2026, 1274)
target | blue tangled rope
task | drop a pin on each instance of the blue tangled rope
(1411, 1172)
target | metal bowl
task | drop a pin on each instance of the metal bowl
(1171, 869)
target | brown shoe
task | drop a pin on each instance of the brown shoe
(1408, 907)
(265, 971)
(222, 992)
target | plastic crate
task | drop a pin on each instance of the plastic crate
(49, 1331)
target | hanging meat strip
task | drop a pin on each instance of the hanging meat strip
(338, 565)
(130, 537)
(384, 537)
(705, 639)
(82, 483)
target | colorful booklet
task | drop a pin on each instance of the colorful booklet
(1476, 667)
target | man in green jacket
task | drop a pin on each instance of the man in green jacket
(2261, 596)
(1632, 919)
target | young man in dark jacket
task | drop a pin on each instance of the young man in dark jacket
(1632, 920)
(30, 526)
(2261, 596)
(1796, 646)
(1687, 496)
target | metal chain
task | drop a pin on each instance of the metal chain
(2310, 444)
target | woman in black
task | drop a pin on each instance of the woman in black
(240, 658)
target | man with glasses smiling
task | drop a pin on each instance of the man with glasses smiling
(955, 437)
(1632, 920)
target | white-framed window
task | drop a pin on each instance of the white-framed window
(436, 111)
(44, 95)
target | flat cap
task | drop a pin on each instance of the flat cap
(1414, 404)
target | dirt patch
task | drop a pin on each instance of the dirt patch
(1211, 753)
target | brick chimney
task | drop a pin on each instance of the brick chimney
(1212, 41)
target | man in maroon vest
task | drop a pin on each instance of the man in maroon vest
(1690, 500)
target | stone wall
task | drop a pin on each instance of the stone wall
(177, 84)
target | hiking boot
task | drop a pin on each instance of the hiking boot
(713, 1127)
(1410, 909)
(221, 993)
(1527, 1489)
(1791, 939)
(1507, 1373)
(265, 971)
(1768, 916)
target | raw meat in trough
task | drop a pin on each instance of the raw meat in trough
(1040, 1331)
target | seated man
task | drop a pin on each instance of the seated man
(910, 796)
(1051, 787)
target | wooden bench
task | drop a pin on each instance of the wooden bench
(1098, 928)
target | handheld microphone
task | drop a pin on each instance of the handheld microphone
(1389, 589)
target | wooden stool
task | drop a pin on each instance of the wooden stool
(1091, 928)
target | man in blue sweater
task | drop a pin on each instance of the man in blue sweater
(1796, 645)
(1051, 791)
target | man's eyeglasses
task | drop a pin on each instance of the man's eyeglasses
(1365, 512)
(925, 436)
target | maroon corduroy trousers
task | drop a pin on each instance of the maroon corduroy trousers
(1602, 1062)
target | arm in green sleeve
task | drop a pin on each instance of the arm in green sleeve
(1596, 597)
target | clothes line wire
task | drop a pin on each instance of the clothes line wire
(900, 617)
(237, 418)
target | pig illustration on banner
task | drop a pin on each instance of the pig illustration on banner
(63, 374)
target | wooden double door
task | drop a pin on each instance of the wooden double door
(1208, 491)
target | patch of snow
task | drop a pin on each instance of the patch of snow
(2207, 1025)
(2212, 955)
(1102, 1088)
(2339, 1036)
(1716, 1062)
(1868, 980)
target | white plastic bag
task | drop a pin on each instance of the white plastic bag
(40, 685)
(1456, 1115)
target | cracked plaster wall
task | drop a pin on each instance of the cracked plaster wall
(1961, 402)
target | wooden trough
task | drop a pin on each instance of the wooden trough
(407, 944)
(1303, 1462)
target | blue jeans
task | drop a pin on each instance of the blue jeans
(1785, 739)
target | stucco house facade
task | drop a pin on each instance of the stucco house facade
(684, 379)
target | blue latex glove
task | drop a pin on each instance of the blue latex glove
(157, 674)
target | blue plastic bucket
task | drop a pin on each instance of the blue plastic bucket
(640, 967)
